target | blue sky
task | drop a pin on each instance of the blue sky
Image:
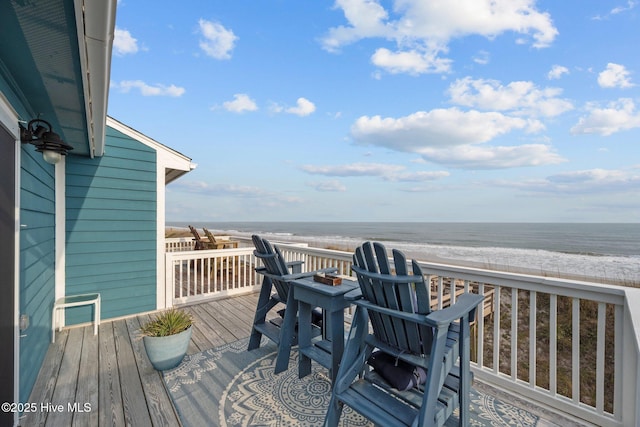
(406, 110)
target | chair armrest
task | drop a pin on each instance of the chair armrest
(295, 276)
(295, 266)
(465, 304)
(291, 264)
(353, 295)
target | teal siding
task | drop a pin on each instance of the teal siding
(111, 228)
(37, 263)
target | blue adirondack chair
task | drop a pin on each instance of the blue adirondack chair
(396, 305)
(278, 274)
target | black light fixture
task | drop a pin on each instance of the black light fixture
(38, 132)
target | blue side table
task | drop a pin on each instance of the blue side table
(326, 349)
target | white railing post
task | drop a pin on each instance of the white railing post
(169, 288)
(628, 400)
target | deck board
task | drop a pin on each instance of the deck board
(205, 329)
(158, 401)
(87, 390)
(136, 412)
(229, 319)
(65, 391)
(110, 411)
(112, 373)
(243, 317)
(45, 383)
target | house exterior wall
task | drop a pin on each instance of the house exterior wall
(111, 228)
(37, 262)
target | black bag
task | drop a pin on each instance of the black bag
(399, 374)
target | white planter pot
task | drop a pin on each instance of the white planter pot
(167, 352)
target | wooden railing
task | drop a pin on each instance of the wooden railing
(568, 345)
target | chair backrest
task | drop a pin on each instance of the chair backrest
(393, 287)
(196, 236)
(210, 236)
(273, 262)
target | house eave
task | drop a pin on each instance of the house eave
(174, 163)
(96, 26)
(55, 66)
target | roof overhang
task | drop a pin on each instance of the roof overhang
(175, 164)
(57, 62)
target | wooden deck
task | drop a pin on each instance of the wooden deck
(108, 381)
(109, 378)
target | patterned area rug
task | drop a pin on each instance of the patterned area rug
(230, 386)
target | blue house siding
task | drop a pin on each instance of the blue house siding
(37, 263)
(111, 228)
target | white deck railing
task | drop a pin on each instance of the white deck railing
(193, 276)
(179, 244)
(576, 353)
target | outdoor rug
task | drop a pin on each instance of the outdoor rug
(230, 386)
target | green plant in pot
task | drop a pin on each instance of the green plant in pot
(166, 338)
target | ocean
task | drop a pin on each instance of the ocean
(605, 252)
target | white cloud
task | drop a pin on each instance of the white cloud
(354, 169)
(419, 176)
(303, 107)
(615, 75)
(482, 57)
(581, 182)
(220, 189)
(148, 90)
(621, 9)
(520, 97)
(617, 116)
(328, 186)
(617, 10)
(124, 43)
(257, 195)
(557, 71)
(493, 157)
(241, 103)
(422, 29)
(411, 62)
(435, 128)
(387, 172)
(218, 42)
(366, 18)
(451, 137)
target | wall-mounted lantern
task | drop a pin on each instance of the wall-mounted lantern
(38, 132)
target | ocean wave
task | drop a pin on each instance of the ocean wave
(600, 251)
(533, 261)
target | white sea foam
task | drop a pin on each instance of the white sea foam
(619, 269)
